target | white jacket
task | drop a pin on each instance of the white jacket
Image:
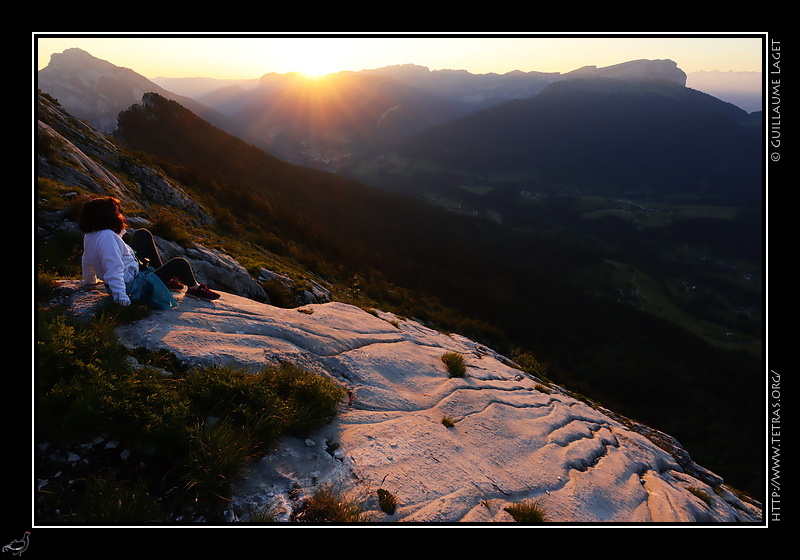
(108, 258)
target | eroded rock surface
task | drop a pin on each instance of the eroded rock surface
(512, 438)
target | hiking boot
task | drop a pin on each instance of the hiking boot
(175, 285)
(202, 292)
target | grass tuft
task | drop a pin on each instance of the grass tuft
(702, 494)
(329, 505)
(387, 501)
(456, 366)
(527, 511)
(218, 456)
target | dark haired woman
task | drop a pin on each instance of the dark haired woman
(108, 258)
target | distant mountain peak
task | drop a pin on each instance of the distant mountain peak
(74, 56)
(635, 70)
(96, 90)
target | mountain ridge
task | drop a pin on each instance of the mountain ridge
(438, 95)
(596, 130)
(451, 82)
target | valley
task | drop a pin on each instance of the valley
(655, 254)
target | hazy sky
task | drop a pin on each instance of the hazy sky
(225, 56)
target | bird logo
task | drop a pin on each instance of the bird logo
(18, 546)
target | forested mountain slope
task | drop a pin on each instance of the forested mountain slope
(592, 135)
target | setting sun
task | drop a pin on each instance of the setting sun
(314, 74)
(314, 68)
(311, 57)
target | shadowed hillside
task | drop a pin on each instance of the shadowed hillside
(594, 135)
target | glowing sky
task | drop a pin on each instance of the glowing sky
(222, 56)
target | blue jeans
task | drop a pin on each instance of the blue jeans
(144, 246)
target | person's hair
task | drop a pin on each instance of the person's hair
(102, 213)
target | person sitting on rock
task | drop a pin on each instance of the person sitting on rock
(108, 258)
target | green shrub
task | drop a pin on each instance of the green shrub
(530, 364)
(218, 390)
(218, 455)
(86, 387)
(310, 399)
(455, 363)
(64, 348)
(168, 225)
(140, 407)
